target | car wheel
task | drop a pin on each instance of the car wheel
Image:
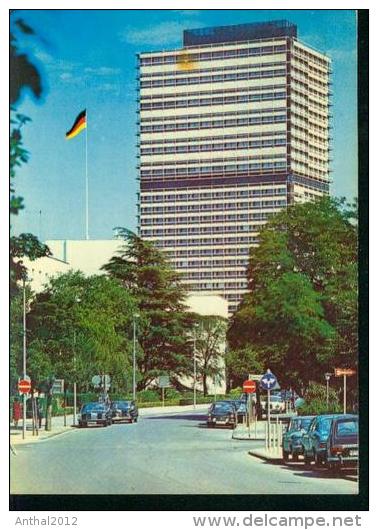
(307, 461)
(136, 419)
(318, 460)
(285, 455)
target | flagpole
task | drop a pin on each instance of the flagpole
(86, 181)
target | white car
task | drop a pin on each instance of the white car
(277, 405)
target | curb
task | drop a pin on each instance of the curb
(35, 439)
(267, 458)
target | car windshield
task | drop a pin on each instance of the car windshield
(222, 407)
(295, 424)
(121, 404)
(305, 423)
(324, 425)
(93, 407)
(347, 427)
(275, 398)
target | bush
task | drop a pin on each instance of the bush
(315, 401)
(148, 395)
(235, 392)
(171, 393)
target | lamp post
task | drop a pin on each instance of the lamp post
(195, 325)
(77, 300)
(24, 359)
(135, 316)
(327, 378)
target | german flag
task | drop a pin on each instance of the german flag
(79, 124)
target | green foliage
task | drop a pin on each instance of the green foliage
(163, 323)
(300, 315)
(235, 392)
(148, 395)
(23, 75)
(79, 327)
(316, 401)
(210, 338)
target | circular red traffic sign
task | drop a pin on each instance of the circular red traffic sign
(24, 386)
(249, 386)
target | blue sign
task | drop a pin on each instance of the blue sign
(268, 381)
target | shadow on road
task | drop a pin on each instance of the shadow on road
(189, 417)
(315, 471)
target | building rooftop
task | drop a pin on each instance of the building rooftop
(239, 32)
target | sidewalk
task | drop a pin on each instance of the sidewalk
(58, 427)
(256, 431)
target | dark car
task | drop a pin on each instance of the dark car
(316, 439)
(342, 447)
(124, 411)
(95, 413)
(222, 413)
(241, 409)
(292, 438)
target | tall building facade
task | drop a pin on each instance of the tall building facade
(233, 127)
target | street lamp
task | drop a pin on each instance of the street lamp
(327, 378)
(24, 357)
(135, 316)
(77, 300)
(195, 325)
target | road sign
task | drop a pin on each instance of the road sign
(255, 377)
(96, 380)
(344, 371)
(164, 381)
(24, 386)
(268, 381)
(58, 386)
(249, 386)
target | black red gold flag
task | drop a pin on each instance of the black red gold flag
(79, 124)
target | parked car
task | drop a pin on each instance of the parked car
(316, 439)
(342, 446)
(292, 438)
(241, 409)
(124, 411)
(95, 413)
(222, 413)
(277, 405)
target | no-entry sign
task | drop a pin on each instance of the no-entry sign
(24, 386)
(249, 386)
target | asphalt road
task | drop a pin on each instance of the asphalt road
(161, 454)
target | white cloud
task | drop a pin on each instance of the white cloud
(163, 33)
(102, 71)
(65, 76)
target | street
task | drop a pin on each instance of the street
(161, 454)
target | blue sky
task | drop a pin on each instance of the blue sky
(87, 60)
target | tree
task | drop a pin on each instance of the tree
(79, 327)
(210, 335)
(164, 324)
(23, 75)
(300, 314)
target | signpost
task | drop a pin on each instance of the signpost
(249, 387)
(327, 378)
(268, 382)
(58, 386)
(163, 383)
(24, 385)
(344, 372)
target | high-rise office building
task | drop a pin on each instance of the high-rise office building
(233, 127)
